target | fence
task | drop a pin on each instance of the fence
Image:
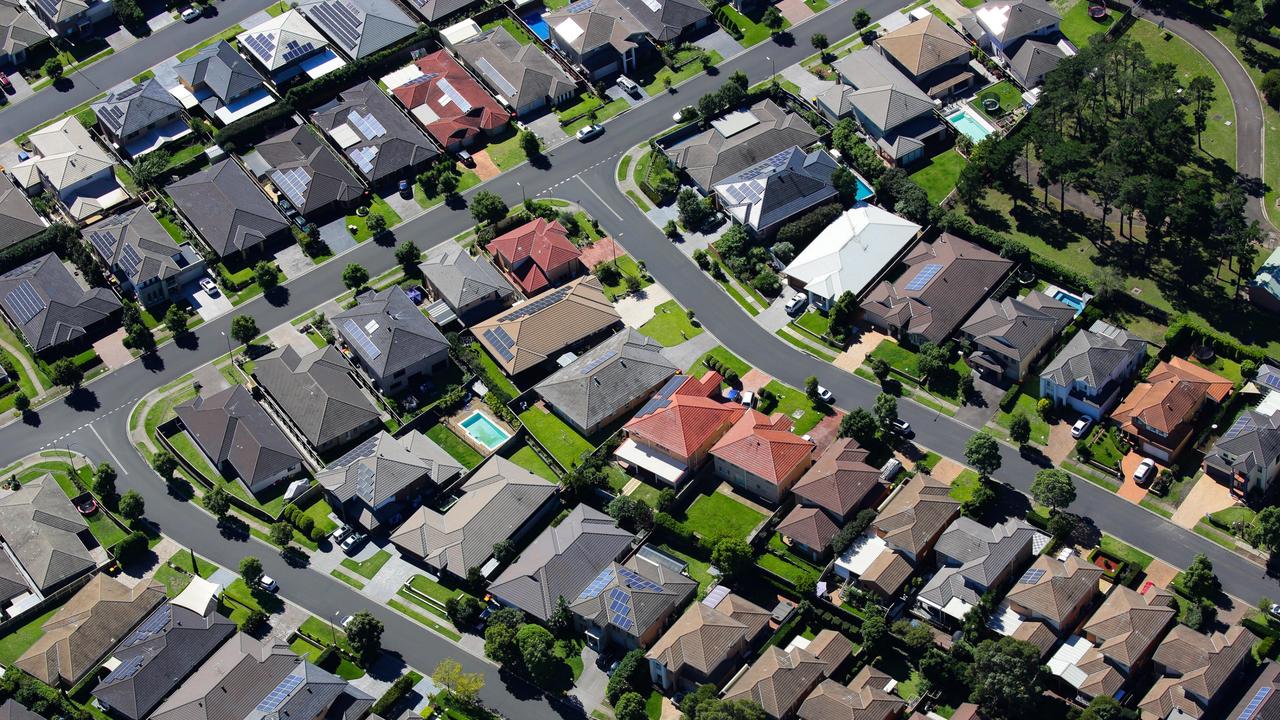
(174, 426)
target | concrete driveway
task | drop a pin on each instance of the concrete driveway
(1206, 496)
(640, 308)
(720, 42)
(112, 350)
(208, 308)
(293, 262)
(547, 128)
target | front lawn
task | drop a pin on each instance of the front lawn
(255, 599)
(1106, 447)
(670, 325)
(752, 32)
(433, 589)
(367, 568)
(458, 448)
(1027, 403)
(792, 402)
(507, 153)
(564, 444)
(1124, 551)
(319, 512)
(176, 580)
(717, 515)
(815, 321)
(945, 385)
(726, 358)
(466, 181)
(965, 484)
(627, 267)
(938, 176)
(377, 206)
(1080, 28)
(526, 458)
(602, 111)
(689, 69)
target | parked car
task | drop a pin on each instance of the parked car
(629, 86)
(352, 542)
(1146, 470)
(1081, 427)
(268, 583)
(797, 304)
(209, 286)
(5, 82)
(825, 395)
(345, 621)
(190, 14)
(337, 536)
(588, 132)
(685, 114)
(465, 158)
(1274, 610)
(903, 428)
(405, 190)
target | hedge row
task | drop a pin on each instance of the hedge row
(398, 690)
(1186, 330)
(53, 238)
(304, 523)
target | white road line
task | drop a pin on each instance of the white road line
(107, 447)
(602, 202)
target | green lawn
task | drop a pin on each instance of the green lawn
(1229, 516)
(254, 599)
(627, 267)
(377, 206)
(603, 111)
(1006, 92)
(175, 581)
(907, 361)
(752, 31)
(493, 375)
(516, 29)
(699, 569)
(565, 444)
(670, 325)
(1125, 552)
(965, 483)
(653, 705)
(726, 359)
(367, 568)
(1106, 447)
(187, 448)
(791, 402)
(17, 641)
(1079, 27)
(815, 321)
(271, 500)
(507, 153)
(466, 181)
(433, 589)
(526, 458)
(419, 617)
(718, 515)
(655, 86)
(938, 176)
(791, 571)
(1027, 404)
(454, 445)
(319, 512)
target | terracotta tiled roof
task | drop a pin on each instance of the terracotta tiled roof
(1196, 665)
(840, 480)
(1170, 397)
(1053, 589)
(452, 123)
(1036, 633)
(535, 251)
(809, 525)
(915, 517)
(764, 446)
(687, 420)
(777, 681)
(865, 698)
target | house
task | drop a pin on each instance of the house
(379, 139)
(780, 680)
(868, 696)
(705, 644)
(768, 194)
(143, 257)
(72, 19)
(52, 307)
(1115, 643)
(1194, 669)
(17, 592)
(913, 519)
(222, 83)
(19, 221)
(672, 434)
(436, 11)
(453, 107)
(240, 438)
(1159, 414)
(1008, 335)
(46, 534)
(318, 394)
(1088, 374)
(70, 165)
(11, 709)
(1020, 34)
(899, 117)
(384, 478)
(840, 481)
(391, 340)
(760, 455)
(669, 21)
(464, 287)
(1264, 288)
(606, 382)
(288, 48)
(601, 38)
(140, 118)
(307, 172)
(808, 531)
(152, 661)
(544, 326)
(629, 605)
(524, 79)
(229, 210)
(739, 140)
(85, 628)
(19, 33)
(850, 254)
(972, 559)
(359, 28)
(537, 255)
(1246, 458)
(933, 55)
(1054, 592)
(942, 284)
(561, 562)
(1256, 704)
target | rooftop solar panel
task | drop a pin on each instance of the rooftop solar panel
(923, 277)
(452, 93)
(367, 125)
(104, 243)
(125, 670)
(364, 158)
(25, 302)
(294, 183)
(597, 585)
(489, 71)
(357, 336)
(591, 366)
(276, 697)
(295, 50)
(1255, 702)
(636, 581)
(130, 261)
(151, 627)
(1031, 576)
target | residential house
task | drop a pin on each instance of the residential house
(11, 709)
(537, 255)
(391, 340)
(19, 221)
(903, 532)
(1194, 670)
(523, 78)
(1257, 702)
(973, 559)
(539, 329)
(222, 83)
(453, 107)
(19, 33)
(437, 11)
(240, 438)
(1021, 35)
(561, 562)
(229, 210)
(17, 592)
(839, 483)
(1246, 458)
(850, 254)
(499, 502)
(86, 627)
(152, 661)
(141, 118)
(359, 28)
(379, 139)
(629, 605)
(143, 257)
(761, 456)
(942, 284)
(868, 696)
(73, 19)
(808, 531)
(318, 394)
(52, 307)
(768, 194)
(289, 48)
(780, 680)
(1088, 374)
(1159, 414)
(706, 643)
(1008, 335)
(669, 21)
(606, 382)
(672, 434)
(899, 117)
(601, 38)
(383, 479)
(933, 55)
(70, 165)
(1053, 592)
(46, 534)
(306, 171)
(739, 140)
(1264, 288)
(465, 288)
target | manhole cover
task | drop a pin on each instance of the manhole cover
(1136, 291)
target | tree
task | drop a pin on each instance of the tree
(772, 18)
(266, 275)
(131, 506)
(845, 183)
(940, 669)
(631, 513)
(530, 144)
(448, 184)
(631, 675)
(504, 551)
(1266, 529)
(151, 169)
(244, 329)
(251, 571)
(21, 403)
(1200, 92)
(488, 207)
(281, 534)
(176, 318)
(354, 276)
(1005, 677)
(733, 556)
(630, 707)
(500, 644)
(983, 453)
(463, 686)
(376, 223)
(879, 368)
(364, 635)
(874, 631)
(408, 254)
(886, 411)
(104, 480)
(916, 635)
(52, 68)
(217, 502)
(1020, 428)
(819, 42)
(1198, 579)
(811, 389)
(66, 373)
(464, 610)
(1245, 21)
(164, 463)
(561, 621)
(931, 360)
(1053, 488)
(1105, 707)
(131, 547)
(537, 653)
(982, 497)
(692, 210)
(861, 19)
(1271, 87)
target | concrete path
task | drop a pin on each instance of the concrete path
(687, 353)
(27, 366)
(811, 85)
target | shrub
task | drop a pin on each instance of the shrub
(398, 690)
(800, 232)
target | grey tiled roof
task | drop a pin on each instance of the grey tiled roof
(12, 582)
(1252, 441)
(401, 334)
(977, 557)
(561, 562)
(460, 278)
(1025, 16)
(154, 256)
(670, 19)
(434, 10)
(1092, 356)
(232, 427)
(359, 27)
(710, 157)
(45, 532)
(316, 391)
(231, 683)
(398, 147)
(66, 309)
(778, 187)
(1032, 58)
(524, 67)
(379, 468)
(19, 29)
(636, 595)
(18, 219)
(595, 25)
(607, 378)
(222, 70)
(1017, 327)
(136, 107)
(228, 208)
(882, 93)
(13, 710)
(327, 180)
(314, 694)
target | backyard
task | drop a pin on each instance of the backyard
(457, 448)
(939, 174)
(564, 444)
(528, 459)
(1079, 27)
(715, 515)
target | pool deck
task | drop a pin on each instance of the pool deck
(477, 407)
(1083, 299)
(963, 108)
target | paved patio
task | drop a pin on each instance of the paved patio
(1206, 496)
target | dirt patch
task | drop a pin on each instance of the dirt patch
(485, 167)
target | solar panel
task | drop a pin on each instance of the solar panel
(1242, 423)
(580, 6)
(488, 70)
(597, 586)
(130, 261)
(50, 7)
(104, 243)
(293, 183)
(636, 581)
(766, 166)
(452, 93)
(364, 481)
(1031, 576)
(364, 158)
(151, 627)
(653, 5)
(276, 697)
(1272, 381)
(538, 305)
(501, 342)
(1255, 702)
(590, 367)
(125, 670)
(367, 125)
(295, 50)
(923, 277)
(25, 302)
(620, 608)
(357, 335)
(340, 21)
(262, 44)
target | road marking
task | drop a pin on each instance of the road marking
(116, 460)
(602, 202)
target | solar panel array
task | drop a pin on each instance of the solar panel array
(653, 5)
(364, 158)
(1272, 381)
(662, 398)
(452, 93)
(276, 697)
(293, 183)
(538, 305)
(591, 366)
(1242, 423)
(262, 45)
(294, 50)
(748, 192)
(358, 336)
(501, 342)
(367, 125)
(151, 627)
(495, 77)
(104, 243)
(1255, 702)
(597, 586)
(364, 481)
(113, 116)
(130, 260)
(25, 302)
(620, 609)
(636, 581)
(125, 670)
(363, 450)
(1031, 576)
(766, 167)
(50, 7)
(580, 6)
(341, 20)
(923, 277)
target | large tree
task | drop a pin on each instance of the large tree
(983, 453)
(886, 411)
(463, 686)
(860, 425)
(244, 329)
(251, 570)
(488, 207)
(364, 635)
(1005, 677)
(537, 653)
(1198, 579)
(1053, 488)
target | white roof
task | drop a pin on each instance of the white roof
(396, 78)
(461, 31)
(860, 554)
(273, 40)
(1064, 662)
(245, 106)
(663, 466)
(1004, 620)
(852, 251)
(198, 596)
(569, 30)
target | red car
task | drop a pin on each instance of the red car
(6, 83)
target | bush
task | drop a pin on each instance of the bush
(398, 690)
(631, 675)
(800, 232)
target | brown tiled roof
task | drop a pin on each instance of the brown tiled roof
(865, 698)
(706, 637)
(809, 525)
(1058, 590)
(1195, 663)
(1101, 678)
(1169, 398)
(924, 45)
(547, 324)
(777, 681)
(764, 446)
(1036, 633)
(840, 480)
(915, 517)
(887, 572)
(1127, 626)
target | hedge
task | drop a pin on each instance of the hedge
(801, 231)
(1186, 330)
(57, 236)
(398, 690)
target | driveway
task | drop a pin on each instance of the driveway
(547, 127)
(794, 10)
(112, 350)
(293, 262)
(687, 353)
(719, 41)
(639, 309)
(979, 410)
(853, 357)
(207, 307)
(1130, 490)
(811, 85)
(336, 236)
(485, 167)
(1206, 496)
(287, 334)
(1060, 442)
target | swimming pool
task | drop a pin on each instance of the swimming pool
(484, 431)
(1068, 298)
(537, 25)
(973, 128)
(864, 190)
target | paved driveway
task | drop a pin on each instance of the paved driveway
(1206, 496)
(207, 307)
(1130, 490)
(112, 350)
(639, 309)
(293, 262)
(336, 236)
(547, 127)
(719, 41)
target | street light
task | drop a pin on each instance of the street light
(523, 199)
(773, 67)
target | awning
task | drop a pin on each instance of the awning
(661, 465)
(199, 596)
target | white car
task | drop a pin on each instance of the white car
(796, 304)
(1146, 469)
(352, 542)
(825, 395)
(268, 583)
(684, 114)
(1081, 427)
(190, 14)
(588, 132)
(209, 286)
(344, 622)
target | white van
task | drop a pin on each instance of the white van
(629, 85)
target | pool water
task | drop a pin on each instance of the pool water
(864, 190)
(972, 129)
(1069, 300)
(484, 431)
(537, 25)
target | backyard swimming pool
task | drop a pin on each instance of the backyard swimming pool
(537, 25)
(484, 431)
(972, 128)
(864, 190)
(1068, 298)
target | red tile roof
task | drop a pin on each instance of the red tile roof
(763, 446)
(689, 419)
(535, 251)
(453, 124)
